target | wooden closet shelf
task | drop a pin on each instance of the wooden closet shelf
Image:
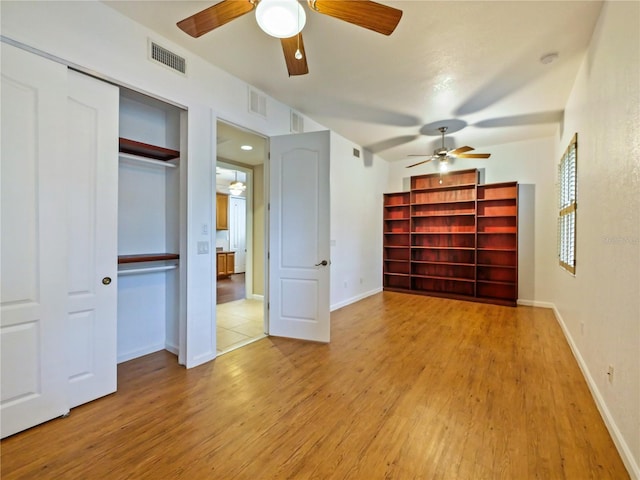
(147, 257)
(146, 150)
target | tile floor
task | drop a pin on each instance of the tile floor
(238, 323)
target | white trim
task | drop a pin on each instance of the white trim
(355, 299)
(621, 445)
(125, 357)
(535, 303)
(255, 296)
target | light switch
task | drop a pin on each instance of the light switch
(203, 248)
(205, 229)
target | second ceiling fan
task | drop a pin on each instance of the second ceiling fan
(363, 13)
(444, 155)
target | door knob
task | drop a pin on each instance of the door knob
(106, 280)
(324, 263)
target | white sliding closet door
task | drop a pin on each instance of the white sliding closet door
(33, 294)
(92, 199)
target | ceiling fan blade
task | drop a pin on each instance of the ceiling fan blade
(420, 163)
(215, 16)
(289, 47)
(364, 13)
(474, 155)
(459, 150)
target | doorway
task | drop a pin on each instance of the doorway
(240, 238)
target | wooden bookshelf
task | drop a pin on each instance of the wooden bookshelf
(397, 241)
(449, 236)
(497, 264)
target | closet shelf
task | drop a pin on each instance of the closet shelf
(146, 150)
(147, 257)
(149, 161)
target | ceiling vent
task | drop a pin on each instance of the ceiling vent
(297, 122)
(167, 58)
(257, 103)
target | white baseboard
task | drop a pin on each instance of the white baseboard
(625, 453)
(535, 303)
(355, 299)
(124, 357)
(257, 297)
(172, 348)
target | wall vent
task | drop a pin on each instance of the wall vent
(167, 58)
(356, 153)
(297, 122)
(257, 103)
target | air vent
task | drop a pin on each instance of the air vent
(167, 58)
(356, 153)
(257, 103)
(297, 122)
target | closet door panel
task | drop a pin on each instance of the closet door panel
(92, 169)
(33, 232)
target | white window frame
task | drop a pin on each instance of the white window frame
(567, 206)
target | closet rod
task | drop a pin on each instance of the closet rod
(133, 271)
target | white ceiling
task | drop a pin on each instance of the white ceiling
(470, 65)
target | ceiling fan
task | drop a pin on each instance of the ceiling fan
(444, 155)
(363, 13)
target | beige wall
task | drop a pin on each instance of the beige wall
(599, 307)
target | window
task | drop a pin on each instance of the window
(567, 183)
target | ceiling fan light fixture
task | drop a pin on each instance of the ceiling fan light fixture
(280, 18)
(444, 165)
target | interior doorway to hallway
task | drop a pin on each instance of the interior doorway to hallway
(240, 237)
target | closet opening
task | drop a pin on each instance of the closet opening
(240, 237)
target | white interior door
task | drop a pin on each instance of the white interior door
(299, 236)
(33, 298)
(238, 231)
(92, 199)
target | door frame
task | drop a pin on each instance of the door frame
(250, 219)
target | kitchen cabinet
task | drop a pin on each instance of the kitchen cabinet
(222, 211)
(225, 264)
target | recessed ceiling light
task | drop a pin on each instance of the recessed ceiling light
(246, 147)
(548, 58)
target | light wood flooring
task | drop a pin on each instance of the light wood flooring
(410, 387)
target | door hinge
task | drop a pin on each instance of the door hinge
(268, 255)
(268, 207)
(268, 305)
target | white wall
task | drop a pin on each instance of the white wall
(101, 41)
(600, 307)
(357, 185)
(531, 163)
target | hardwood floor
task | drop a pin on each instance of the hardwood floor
(410, 387)
(230, 288)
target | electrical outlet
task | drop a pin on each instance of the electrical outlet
(610, 373)
(345, 284)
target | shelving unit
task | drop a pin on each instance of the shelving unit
(449, 236)
(497, 267)
(396, 231)
(150, 225)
